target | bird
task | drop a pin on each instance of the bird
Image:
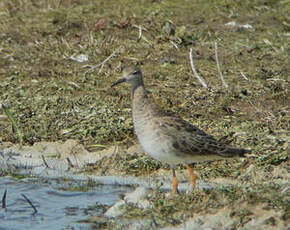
(167, 137)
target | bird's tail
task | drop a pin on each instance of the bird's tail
(236, 152)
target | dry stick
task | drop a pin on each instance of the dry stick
(30, 203)
(140, 33)
(143, 28)
(201, 80)
(218, 66)
(101, 64)
(140, 28)
(44, 161)
(154, 221)
(4, 199)
(70, 164)
(174, 44)
(244, 76)
(107, 59)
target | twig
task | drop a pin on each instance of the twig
(141, 29)
(200, 79)
(101, 65)
(244, 76)
(14, 124)
(137, 27)
(4, 199)
(174, 44)
(155, 225)
(30, 203)
(44, 161)
(275, 79)
(70, 164)
(107, 59)
(140, 33)
(218, 66)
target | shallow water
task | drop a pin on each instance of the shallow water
(56, 209)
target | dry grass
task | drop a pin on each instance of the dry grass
(53, 97)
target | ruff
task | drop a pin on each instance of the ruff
(168, 138)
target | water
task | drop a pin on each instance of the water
(56, 209)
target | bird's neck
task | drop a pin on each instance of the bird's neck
(141, 105)
(139, 95)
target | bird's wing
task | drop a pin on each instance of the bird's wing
(189, 139)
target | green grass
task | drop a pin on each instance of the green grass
(53, 98)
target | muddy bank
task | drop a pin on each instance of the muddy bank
(216, 203)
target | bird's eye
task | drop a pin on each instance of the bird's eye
(136, 72)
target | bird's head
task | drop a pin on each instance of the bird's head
(132, 75)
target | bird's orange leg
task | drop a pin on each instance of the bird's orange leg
(192, 176)
(174, 183)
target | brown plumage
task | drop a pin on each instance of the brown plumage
(168, 138)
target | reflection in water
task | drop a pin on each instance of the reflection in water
(56, 208)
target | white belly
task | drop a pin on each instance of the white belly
(157, 147)
(160, 148)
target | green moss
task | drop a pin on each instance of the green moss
(82, 187)
(19, 176)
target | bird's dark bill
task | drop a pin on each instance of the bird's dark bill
(118, 82)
